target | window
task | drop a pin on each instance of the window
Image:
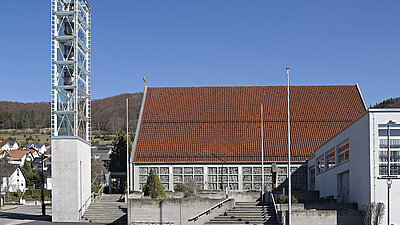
(394, 143)
(394, 137)
(312, 178)
(321, 164)
(331, 158)
(344, 152)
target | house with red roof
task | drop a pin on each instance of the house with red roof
(19, 156)
(212, 135)
(4, 145)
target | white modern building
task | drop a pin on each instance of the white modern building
(352, 166)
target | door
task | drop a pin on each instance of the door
(344, 190)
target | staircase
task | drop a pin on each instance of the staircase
(254, 213)
(109, 210)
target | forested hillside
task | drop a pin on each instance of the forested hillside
(389, 103)
(108, 114)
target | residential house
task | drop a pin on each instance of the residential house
(8, 145)
(41, 148)
(18, 157)
(212, 135)
(37, 163)
(102, 153)
(4, 145)
(13, 144)
(12, 177)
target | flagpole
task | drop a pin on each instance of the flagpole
(127, 150)
(262, 156)
(289, 171)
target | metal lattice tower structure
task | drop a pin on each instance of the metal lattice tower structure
(71, 68)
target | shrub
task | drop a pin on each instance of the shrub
(36, 193)
(179, 187)
(96, 188)
(153, 187)
(285, 199)
(191, 188)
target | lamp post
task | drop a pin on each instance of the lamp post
(389, 180)
(42, 196)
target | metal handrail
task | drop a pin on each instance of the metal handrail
(207, 211)
(151, 223)
(85, 205)
(276, 211)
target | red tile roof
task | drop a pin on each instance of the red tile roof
(18, 154)
(204, 123)
(3, 143)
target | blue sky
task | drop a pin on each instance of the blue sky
(211, 43)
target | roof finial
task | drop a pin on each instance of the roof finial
(144, 83)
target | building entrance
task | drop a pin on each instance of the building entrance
(344, 187)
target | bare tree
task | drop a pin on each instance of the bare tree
(373, 213)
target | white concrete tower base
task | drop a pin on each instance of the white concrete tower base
(71, 178)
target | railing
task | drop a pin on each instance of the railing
(151, 223)
(84, 206)
(99, 193)
(208, 211)
(91, 197)
(274, 204)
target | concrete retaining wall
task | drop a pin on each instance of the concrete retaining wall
(325, 217)
(174, 210)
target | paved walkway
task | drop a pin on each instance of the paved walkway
(26, 214)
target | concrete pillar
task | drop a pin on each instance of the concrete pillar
(71, 177)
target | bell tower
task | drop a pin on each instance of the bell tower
(70, 108)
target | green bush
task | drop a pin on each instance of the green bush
(153, 187)
(285, 199)
(36, 193)
(96, 188)
(179, 187)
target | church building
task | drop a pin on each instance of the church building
(212, 135)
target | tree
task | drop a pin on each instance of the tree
(153, 187)
(373, 213)
(118, 154)
(98, 171)
(33, 177)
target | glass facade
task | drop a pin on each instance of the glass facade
(218, 177)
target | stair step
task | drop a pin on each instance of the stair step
(242, 222)
(108, 209)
